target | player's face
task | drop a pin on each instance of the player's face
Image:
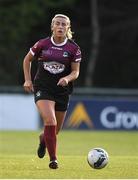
(60, 27)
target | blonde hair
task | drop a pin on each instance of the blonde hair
(69, 32)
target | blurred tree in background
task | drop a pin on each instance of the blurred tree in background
(24, 22)
(106, 30)
(117, 61)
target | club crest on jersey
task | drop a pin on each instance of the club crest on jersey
(65, 54)
(54, 67)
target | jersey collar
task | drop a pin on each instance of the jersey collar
(60, 44)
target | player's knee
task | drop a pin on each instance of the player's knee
(50, 121)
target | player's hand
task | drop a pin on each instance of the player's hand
(63, 82)
(28, 86)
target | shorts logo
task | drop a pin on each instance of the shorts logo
(54, 67)
(38, 94)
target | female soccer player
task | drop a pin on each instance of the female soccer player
(58, 60)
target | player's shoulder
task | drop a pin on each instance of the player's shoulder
(73, 43)
(41, 43)
(44, 40)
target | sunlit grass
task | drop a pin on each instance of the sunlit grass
(18, 155)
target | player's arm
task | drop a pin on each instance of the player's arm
(28, 85)
(75, 69)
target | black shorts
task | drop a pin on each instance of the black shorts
(61, 101)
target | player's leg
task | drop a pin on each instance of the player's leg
(42, 145)
(47, 112)
(41, 151)
(60, 116)
(60, 119)
(61, 106)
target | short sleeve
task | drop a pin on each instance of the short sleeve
(76, 55)
(35, 50)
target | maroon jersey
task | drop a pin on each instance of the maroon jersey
(54, 62)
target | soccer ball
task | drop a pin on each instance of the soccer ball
(97, 158)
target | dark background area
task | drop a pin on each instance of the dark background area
(24, 22)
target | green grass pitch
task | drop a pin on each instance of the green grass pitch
(18, 157)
